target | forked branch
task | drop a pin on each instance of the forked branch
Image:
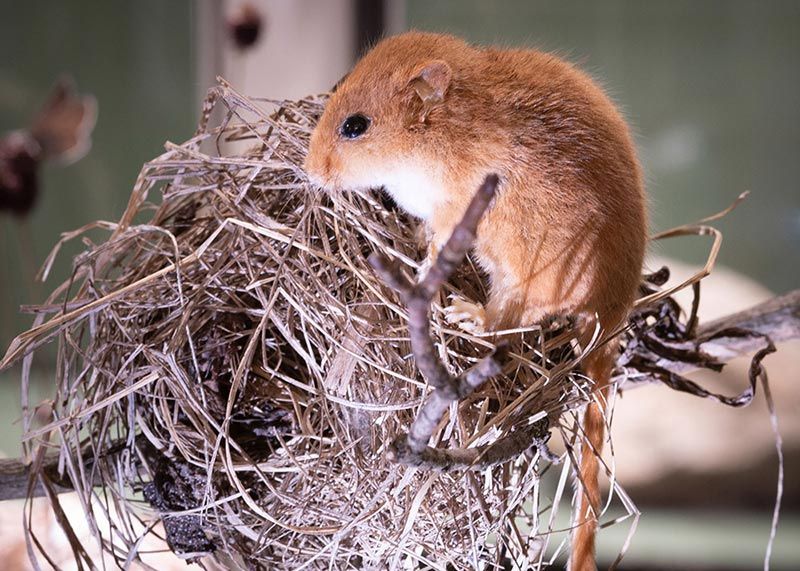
(412, 449)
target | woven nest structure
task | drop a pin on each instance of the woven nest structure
(231, 365)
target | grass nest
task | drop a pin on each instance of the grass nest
(230, 365)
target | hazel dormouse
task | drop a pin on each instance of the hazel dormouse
(427, 116)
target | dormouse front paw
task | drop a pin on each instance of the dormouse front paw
(470, 317)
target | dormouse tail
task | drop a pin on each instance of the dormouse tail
(582, 552)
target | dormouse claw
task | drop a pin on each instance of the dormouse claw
(470, 317)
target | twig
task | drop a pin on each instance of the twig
(412, 449)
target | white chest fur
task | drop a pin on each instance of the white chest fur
(416, 190)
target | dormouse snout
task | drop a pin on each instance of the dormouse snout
(317, 163)
(314, 170)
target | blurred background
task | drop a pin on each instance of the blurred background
(711, 89)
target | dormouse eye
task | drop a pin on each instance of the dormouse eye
(354, 126)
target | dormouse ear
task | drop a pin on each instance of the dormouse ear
(430, 82)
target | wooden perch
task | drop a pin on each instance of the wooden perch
(665, 356)
(777, 318)
(15, 479)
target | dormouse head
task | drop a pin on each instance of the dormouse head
(387, 123)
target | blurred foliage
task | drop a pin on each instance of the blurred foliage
(137, 59)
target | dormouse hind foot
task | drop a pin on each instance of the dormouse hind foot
(470, 317)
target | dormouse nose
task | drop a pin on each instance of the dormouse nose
(318, 167)
(314, 166)
(320, 161)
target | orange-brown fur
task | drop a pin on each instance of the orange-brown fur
(567, 230)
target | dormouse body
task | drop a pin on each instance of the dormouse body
(428, 116)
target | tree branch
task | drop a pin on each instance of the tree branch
(412, 449)
(15, 479)
(754, 330)
(778, 318)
